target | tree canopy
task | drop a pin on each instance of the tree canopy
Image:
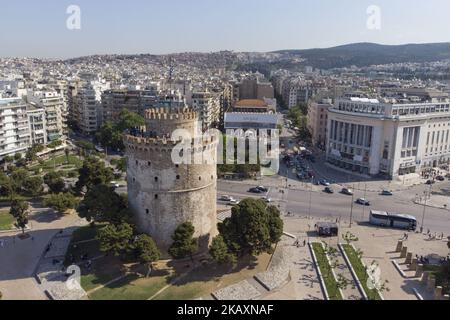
(184, 244)
(252, 228)
(102, 204)
(111, 134)
(54, 181)
(115, 239)
(92, 173)
(19, 210)
(61, 202)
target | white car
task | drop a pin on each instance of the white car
(225, 198)
(268, 200)
(233, 202)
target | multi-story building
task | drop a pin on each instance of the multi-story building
(253, 88)
(134, 100)
(36, 120)
(55, 115)
(207, 105)
(394, 134)
(14, 128)
(88, 111)
(318, 121)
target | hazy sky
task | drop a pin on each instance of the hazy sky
(38, 27)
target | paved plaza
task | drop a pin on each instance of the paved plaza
(20, 259)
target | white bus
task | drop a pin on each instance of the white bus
(393, 220)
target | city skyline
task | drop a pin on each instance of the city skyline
(206, 26)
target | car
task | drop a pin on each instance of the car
(254, 190)
(328, 190)
(233, 202)
(347, 191)
(429, 182)
(225, 198)
(363, 202)
(324, 182)
(440, 178)
(115, 184)
(386, 193)
(268, 200)
(262, 188)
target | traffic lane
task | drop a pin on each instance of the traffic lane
(338, 205)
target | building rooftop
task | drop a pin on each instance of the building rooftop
(251, 103)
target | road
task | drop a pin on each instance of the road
(338, 205)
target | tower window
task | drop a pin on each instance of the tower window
(200, 178)
(149, 163)
(147, 211)
(178, 177)
(156, 197)
(137, 162)
(156, 179)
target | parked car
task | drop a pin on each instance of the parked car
(363, 202)
(386, 193)
(328, 190)
(268, 200)
(347, 191)
(324, 182)
(430, 182)
(440, 178)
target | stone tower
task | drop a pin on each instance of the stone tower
(162, 194)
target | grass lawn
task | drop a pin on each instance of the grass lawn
(58, 162)
(360, 272)
(209, 278)
(327, 275)
(132, 287)
(6, 220)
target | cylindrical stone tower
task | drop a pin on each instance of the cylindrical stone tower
(163, 194)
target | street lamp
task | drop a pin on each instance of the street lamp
(351, 207)
(425, 204)
(364, 206)
(310, 195)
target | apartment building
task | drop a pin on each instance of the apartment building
(317, 121)
(208, 105)
(14, 128)
(134, 100)
(55, 112)
(394, 134)
(37, 124)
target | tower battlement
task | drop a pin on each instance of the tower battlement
(170, 114)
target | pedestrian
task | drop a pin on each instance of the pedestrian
(304, 243)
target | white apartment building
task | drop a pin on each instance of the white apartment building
(14, 129)
(208, 105)
(36, 120)
(55, 112)
(392, 135)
